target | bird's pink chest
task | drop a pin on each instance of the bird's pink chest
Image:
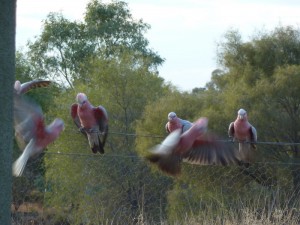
(86, 117)
(241, 129)
(46, 138)
(187, 139)
(174, 125)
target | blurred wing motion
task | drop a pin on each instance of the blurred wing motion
(91, 121)
(195, 146)
(30, 131)
(163, 154)
(26, 115)
(25, 87)
(208, 150)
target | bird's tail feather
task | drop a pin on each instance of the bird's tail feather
(95, 142)
(20, 163)
(170, 164)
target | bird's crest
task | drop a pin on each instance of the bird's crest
(171, 116)
(242, 113)
(81, 98)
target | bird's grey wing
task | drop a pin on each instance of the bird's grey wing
(76, 119)
(185, 125)
(253, 134)
(167, 128)
(102, 120)
(74, 115)
(231, 130)
(27, 86)
(208, 150)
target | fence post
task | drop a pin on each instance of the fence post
(7, 74)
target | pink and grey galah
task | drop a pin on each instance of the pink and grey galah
(195, 146)
(245, 134)
(27, 86)
(32, 134)
(91, 121)
(175, 123)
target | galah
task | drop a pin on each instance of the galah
(27, 86)
(195, 146)
(245, 134)
(91, 121)
(31, 130)
(175, 123)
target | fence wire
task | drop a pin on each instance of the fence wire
(80, 187)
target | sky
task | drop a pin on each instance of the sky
(183, 32)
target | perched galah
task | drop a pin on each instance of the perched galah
(244, 133)
(194, 146)
(31, 131)
(175, 123)
(91, 121)
(25, 87)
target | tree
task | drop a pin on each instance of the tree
(123, 86)
(284, 111)
(7, 71)
(64, 47)
(249, 69)
(30, 186)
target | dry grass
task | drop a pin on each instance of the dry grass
(35, 214)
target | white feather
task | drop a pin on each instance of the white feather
(168, 145)
(20, 163)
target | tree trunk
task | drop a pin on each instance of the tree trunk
(7, 77)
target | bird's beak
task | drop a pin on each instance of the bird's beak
(241, 117)
(81, 103)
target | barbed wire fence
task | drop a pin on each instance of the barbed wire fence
(123, 188)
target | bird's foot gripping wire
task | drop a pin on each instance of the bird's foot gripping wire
(81, 129)
(231, 139)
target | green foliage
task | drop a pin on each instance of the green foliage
(107, 57)
(260, 76)
(64, 47)
(119, 86)
(112, 27)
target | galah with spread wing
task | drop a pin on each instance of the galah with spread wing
(31, 130)
(175, 123)
(244, 133)
(195, 146)
(27, 86)
(91, 121)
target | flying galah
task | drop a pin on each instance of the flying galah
(175, 123)
(25, 87)
(91, 121)
(31, 130)
(244, 133)
(194, 146)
